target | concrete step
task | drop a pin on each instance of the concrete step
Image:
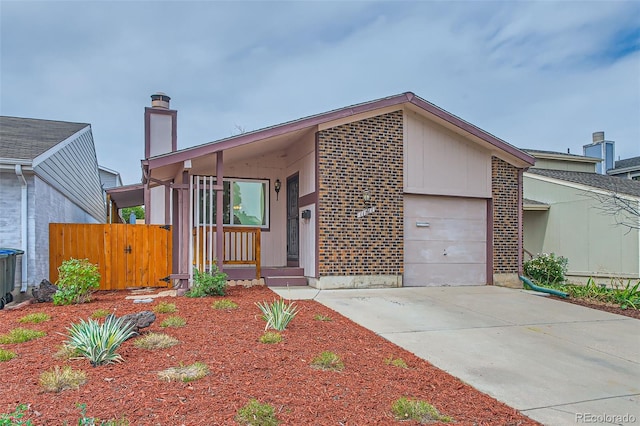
(284, 281)
(281, 272)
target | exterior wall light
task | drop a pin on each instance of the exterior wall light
(366, 196)
(277, 185)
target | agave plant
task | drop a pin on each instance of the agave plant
(277, 314)
(98, 342)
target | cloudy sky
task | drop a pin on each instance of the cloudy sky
(538, 74)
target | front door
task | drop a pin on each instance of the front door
(293, 234)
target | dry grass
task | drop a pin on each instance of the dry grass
(59, 379)
(153, 341)
(184, 373)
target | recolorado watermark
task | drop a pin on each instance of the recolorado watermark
(616, 419)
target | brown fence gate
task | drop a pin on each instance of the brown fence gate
(128, 256)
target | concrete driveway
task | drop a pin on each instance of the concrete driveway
(558, 363)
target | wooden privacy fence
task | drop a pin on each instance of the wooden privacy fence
(128, 256)
(241, 247)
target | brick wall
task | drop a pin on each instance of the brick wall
(364, 155)
(505, 216)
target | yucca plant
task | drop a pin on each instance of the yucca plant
(277, 314)
(98, 342)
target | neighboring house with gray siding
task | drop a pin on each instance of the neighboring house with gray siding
(48, 173)
(563, 214)
(629, 168)
(109, 178)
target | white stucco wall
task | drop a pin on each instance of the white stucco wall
(11, 215)
(575, 228)
(48, 206)
(302, 160)
(44, 205)
(298, 158)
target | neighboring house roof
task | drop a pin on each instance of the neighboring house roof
(61, 154)
(595, 180)
(627, 162)
(529, 204)
(26, 138)
(127, 195)
(406, 98)
(537, 153)
(109, 178)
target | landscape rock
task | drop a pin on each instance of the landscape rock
(139, 320)
(44, 292)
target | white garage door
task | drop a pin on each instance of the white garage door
(445, 241)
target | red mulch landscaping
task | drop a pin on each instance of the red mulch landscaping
(241, 368)
(601, 306)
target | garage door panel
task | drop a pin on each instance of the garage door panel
(445, 207)
(445, 252)
(420, 275)
(445, 241)
(445, 229)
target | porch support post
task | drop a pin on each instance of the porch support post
(147, 204)
(181, 236)
(167, 205)
(219, 187)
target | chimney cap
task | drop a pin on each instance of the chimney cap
(597, 137)
(160, 100)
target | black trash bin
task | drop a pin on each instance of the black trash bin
(7, 274)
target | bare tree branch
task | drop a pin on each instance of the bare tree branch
(624, 210)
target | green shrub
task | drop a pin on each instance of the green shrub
(6, 355)
(271, 337)
(627, 296)
(78, 279)
(153, 341)
(327, 361)
(35, 318)
(165, 308)
(184, 373)
(15, 418)
(57, 379)
(208, 284)
(546, 268)
(21, 335)
(421, 411)
(224, 304)
(277, 314)
(256, 414)
(98, 342)
(173, 321)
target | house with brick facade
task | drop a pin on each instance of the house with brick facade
(391, 192)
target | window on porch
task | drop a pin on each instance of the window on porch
(249, 207)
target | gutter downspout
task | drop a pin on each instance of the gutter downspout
(23, 226)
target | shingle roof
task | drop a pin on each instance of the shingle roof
(627, 162)
(607, 183)
(26, 138)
